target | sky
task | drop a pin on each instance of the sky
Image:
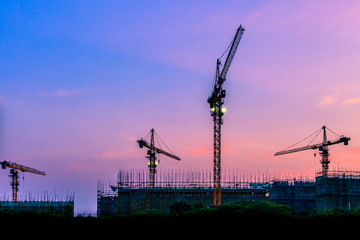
(81, 81)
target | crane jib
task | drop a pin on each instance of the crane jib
(319, 146)
(232, 52)
(22, 168)
(143, 143)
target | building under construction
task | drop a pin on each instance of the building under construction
(40, 202)
(132, 191)
(63, 208)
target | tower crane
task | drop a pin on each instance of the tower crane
(152, 164)
(14, 175)
(323, 148)
(216, 101)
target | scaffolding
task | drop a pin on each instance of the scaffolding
(40, 202)
(187, 179)
(133, 192)
(339, 189)
(298, 194)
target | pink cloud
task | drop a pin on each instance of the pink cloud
(328, 100)
(63, 93)
(201, 150)
(352, 101)
(79, 167)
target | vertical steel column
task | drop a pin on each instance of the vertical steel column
(324, 155)
(152, 161)
(14, 174)
(217, 152)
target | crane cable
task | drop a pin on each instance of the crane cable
(226, 49)
(215, 77)
(157, 136)
(314, 137)
(333, 132)
(147, 136)
(317, 131)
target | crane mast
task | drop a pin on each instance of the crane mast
(14, 175)
(324, 152)
(216, 101)
(323, 148)
(152, 160)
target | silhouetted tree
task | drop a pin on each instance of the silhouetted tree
(179, 208)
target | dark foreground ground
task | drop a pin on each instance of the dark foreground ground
(240, 221)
